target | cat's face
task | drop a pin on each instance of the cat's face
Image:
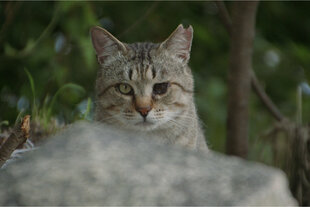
(143, 86)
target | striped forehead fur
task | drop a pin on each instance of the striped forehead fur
(139, 55)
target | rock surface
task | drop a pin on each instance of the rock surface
(89, 164)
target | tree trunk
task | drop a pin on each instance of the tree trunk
(239, 76)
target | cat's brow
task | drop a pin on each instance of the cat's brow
(182, 88)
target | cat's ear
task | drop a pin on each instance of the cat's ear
(105, 44)
(179, 43)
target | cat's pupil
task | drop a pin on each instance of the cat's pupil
(160, 88)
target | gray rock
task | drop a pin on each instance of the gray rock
(89, 164)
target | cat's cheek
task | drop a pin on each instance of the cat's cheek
(116, 95)
(171, 97)
(113, 103)
(156, 98)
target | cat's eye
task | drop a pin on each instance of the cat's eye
(160, 88)
(125, 89)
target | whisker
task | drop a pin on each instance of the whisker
(180, 126)
(110, 117)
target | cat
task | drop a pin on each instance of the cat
(147, 88)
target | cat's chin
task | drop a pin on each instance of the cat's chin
(144, 123)
(145, 126)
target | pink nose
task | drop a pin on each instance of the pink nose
(144, 110)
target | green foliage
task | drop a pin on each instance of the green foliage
(4, 123)
(44, 115)
(61, 90)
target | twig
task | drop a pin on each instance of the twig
(272, 108)
(224, 15)
(265, 99)
(146, 14)
(18, 136)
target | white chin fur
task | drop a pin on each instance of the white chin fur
(139, 124)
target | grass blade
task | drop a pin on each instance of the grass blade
(19, 116)
(34, 107)
(87, 108)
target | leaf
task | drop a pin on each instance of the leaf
(9, 50)
(71, 86)
(4, 123)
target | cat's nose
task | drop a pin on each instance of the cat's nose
(144, 110)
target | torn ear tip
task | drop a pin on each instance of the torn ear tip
(190, 28)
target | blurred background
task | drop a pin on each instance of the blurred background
(48, 66)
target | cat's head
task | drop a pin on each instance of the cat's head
(143, 86)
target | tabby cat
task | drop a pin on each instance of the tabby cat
(147, 88)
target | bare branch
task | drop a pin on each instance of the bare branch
(18, 136)
(265, 98)
(145, 15)
(258, 89)
(224, 15)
